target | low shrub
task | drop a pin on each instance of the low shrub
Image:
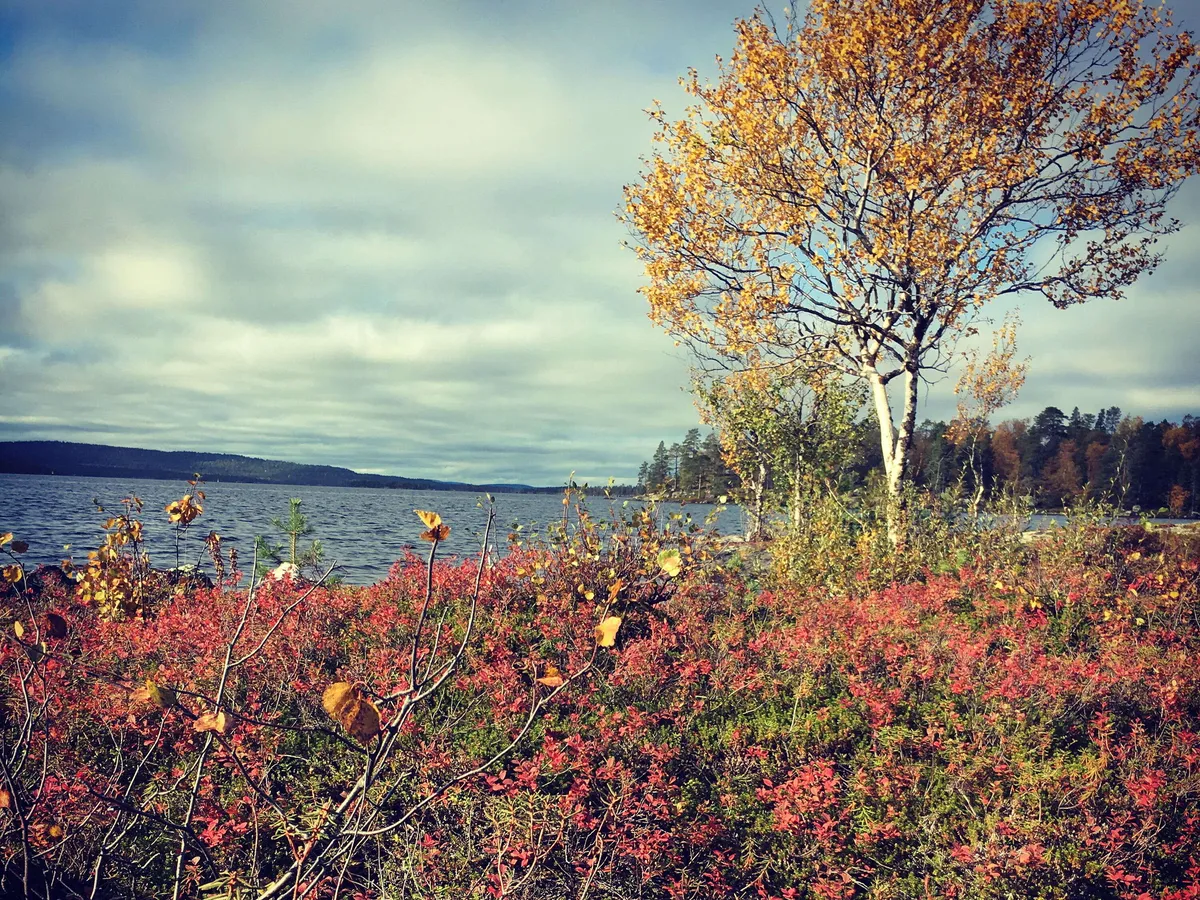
(997, 725)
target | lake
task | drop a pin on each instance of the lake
(364, 529)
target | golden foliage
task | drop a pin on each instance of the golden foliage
(987, 384)
(856, 186)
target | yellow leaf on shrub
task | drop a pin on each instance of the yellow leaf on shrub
(5, 538)
(431, 519)
(606, 631)
(670, 562)
(12, 574)
(19, 629)
(553, 678)
(336, 696)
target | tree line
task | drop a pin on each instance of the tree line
(1056, 459)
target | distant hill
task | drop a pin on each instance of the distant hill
(101, 460)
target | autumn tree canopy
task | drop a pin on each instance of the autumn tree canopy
(858, 185)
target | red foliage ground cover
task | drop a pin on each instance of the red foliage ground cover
(1025, 729)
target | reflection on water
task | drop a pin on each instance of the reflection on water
(364, 529)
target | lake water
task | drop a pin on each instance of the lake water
(364, 529)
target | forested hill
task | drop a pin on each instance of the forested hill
(67, 458)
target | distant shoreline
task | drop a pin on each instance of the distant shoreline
(78, 460)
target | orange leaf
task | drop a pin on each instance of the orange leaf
(553, 678)
(347, 706)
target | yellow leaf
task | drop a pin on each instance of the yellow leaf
(431, 519)
(12, 574)
(606, 631)
(19, 629)
(670, 562)
(5, 538)
(336, 696)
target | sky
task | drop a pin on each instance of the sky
(382, 234)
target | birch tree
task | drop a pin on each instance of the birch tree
(860, 184)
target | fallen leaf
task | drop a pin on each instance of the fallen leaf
(553, 678)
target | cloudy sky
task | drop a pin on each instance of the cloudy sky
(381, 234)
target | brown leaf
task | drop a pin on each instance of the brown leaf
(19, 546)
(438, 533)
(362, 722)
(5, 799)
